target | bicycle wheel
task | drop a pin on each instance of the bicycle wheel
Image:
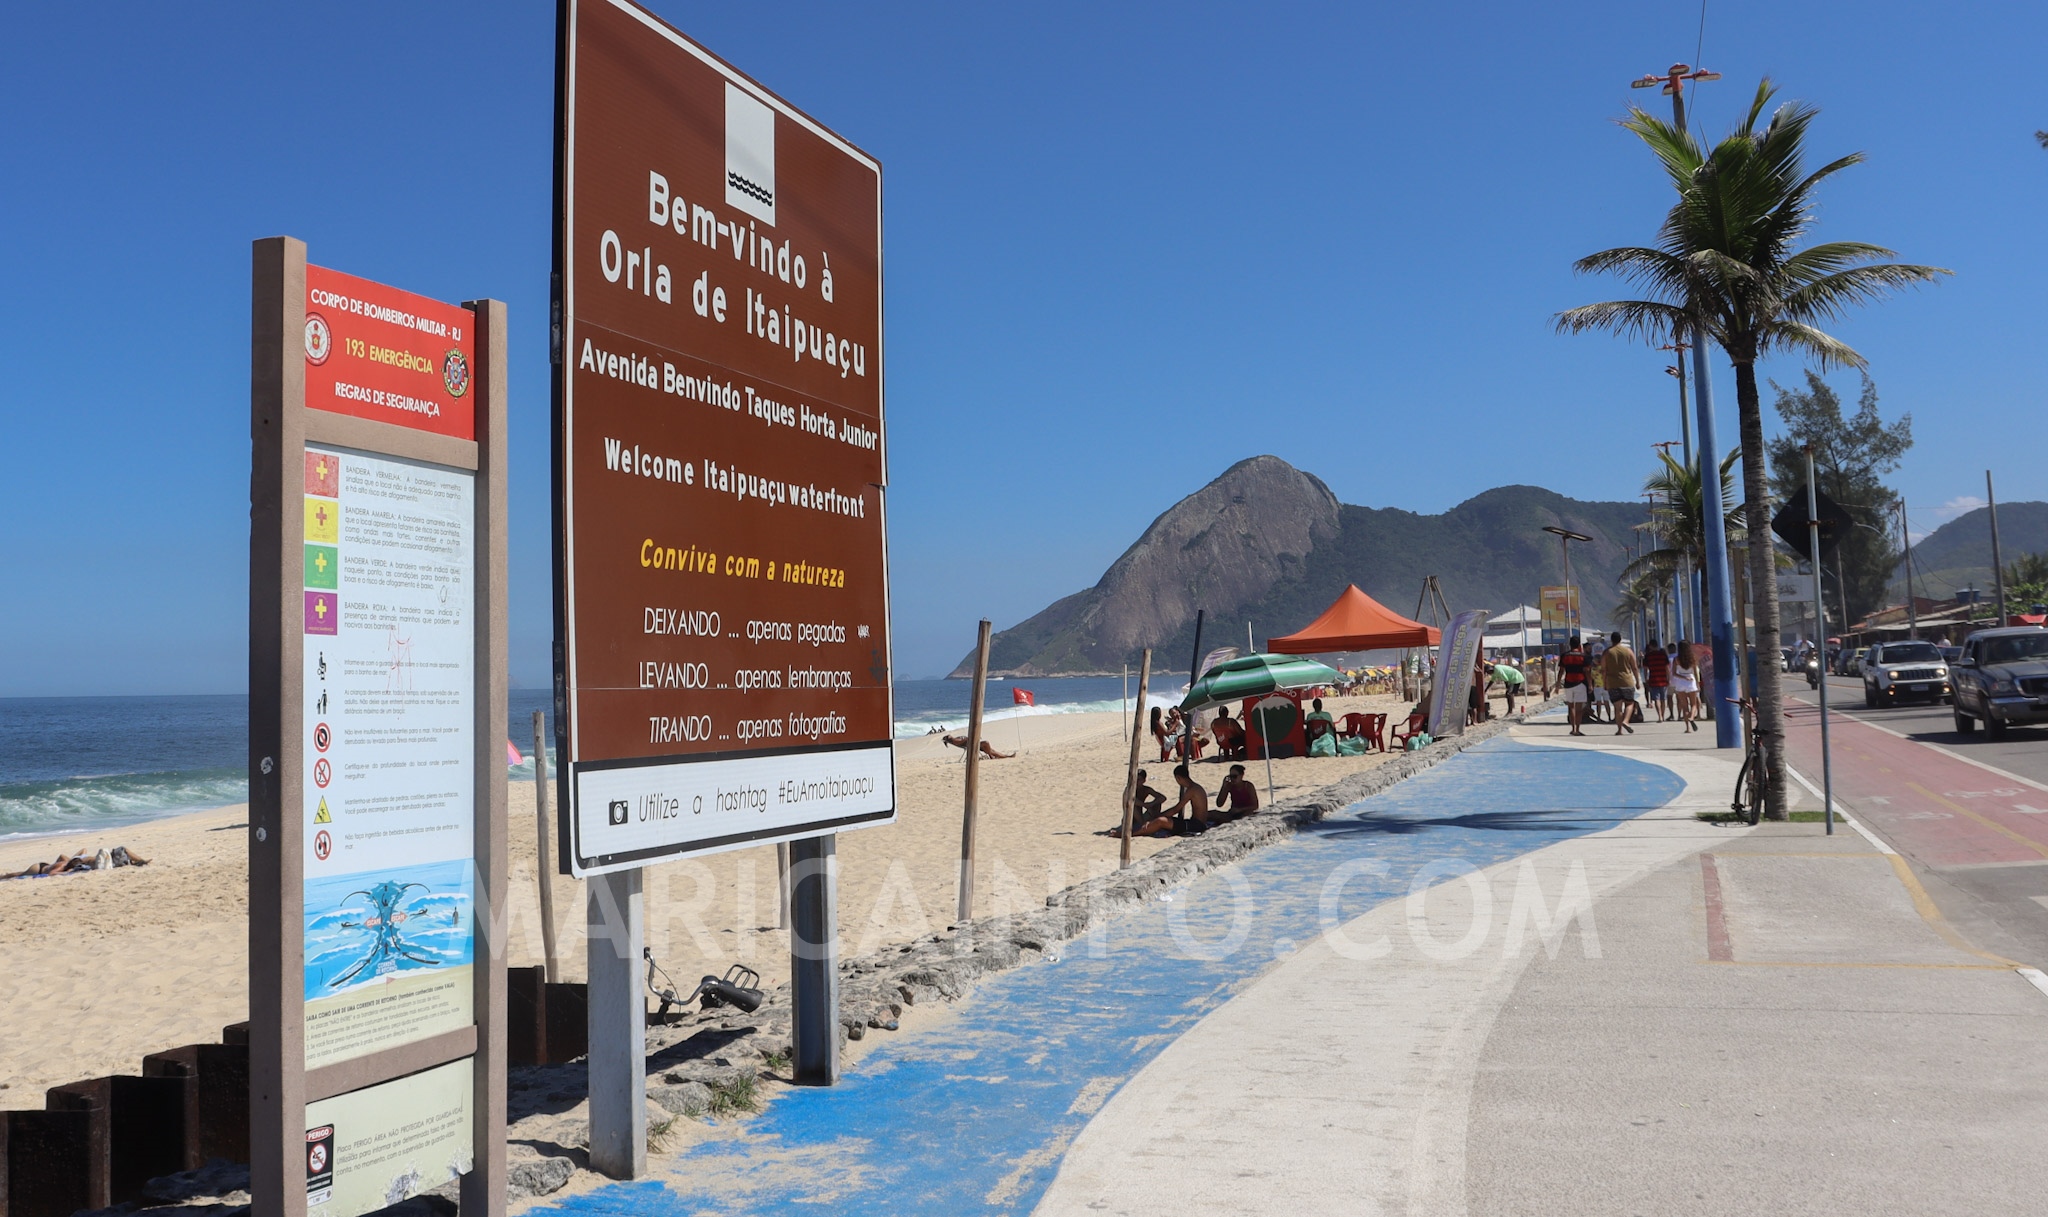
(1749, 790)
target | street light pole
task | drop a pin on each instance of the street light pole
(1720, 623)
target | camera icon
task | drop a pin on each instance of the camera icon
(618, 812)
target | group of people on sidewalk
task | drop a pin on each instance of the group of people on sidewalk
(1603, 679)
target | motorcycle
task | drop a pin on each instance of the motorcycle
(1813, 672)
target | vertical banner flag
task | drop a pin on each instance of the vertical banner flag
(1456, 659)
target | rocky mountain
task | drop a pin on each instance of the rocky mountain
(1268, 544)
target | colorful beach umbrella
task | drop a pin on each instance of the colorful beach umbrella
(1254, 676)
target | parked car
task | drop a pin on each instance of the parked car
(1895, 671)
(1850, 662)
(2002, 679)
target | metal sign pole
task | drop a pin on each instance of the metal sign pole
(813, 959)
(617, 1024)
(1827, 771)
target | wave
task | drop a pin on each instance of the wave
(956, 720)
(112, 800)
(68, 804)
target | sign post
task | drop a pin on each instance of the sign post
(376, 760)
(721, 595)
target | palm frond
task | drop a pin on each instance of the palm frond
(1650, 320)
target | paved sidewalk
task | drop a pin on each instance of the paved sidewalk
(1767, 1020)
(975, 1114)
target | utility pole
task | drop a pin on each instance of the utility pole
(1997, 559)
(1827, 768)
(1720, 623)
(1906, 543)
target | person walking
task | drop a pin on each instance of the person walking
(1685, 686)
(1619, 673)
(1656, 677)
(1571, 668)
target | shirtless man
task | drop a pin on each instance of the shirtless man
(1193, 799)
(1148, 813)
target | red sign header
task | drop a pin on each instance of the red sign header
(380, 353)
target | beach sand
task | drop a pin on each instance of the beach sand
(105, 967)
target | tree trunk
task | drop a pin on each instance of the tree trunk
(1763, 578)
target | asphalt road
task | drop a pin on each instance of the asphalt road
(1969, 814)
(2024, 750)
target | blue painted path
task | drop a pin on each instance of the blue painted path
(973, 1116)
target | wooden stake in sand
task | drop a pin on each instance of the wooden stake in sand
(541, 860)
(973, 773)
(1137, 739)
(782, 885)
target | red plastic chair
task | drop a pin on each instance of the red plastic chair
(1369, 727)
(1404, 734)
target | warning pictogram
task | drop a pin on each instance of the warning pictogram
(323, 773)
(322, 845)
(322, 737)
(320, 815)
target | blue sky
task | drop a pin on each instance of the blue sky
(1126, 246)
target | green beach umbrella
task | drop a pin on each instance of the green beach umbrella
(1255, 675)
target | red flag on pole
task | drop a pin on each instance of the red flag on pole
(1021, 697)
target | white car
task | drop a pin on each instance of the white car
(1896, 671)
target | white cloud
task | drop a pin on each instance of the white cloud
(1962, 504)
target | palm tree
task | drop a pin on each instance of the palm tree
(1725, 263)
(1678, 518)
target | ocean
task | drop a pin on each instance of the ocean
(71, 763)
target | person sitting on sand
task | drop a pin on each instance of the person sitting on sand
(1194, 800)
(1147, 799)
(987, 749)
(1240, 796)
(1148, 813)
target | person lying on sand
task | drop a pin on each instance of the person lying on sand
(69, 863)
(987, 749)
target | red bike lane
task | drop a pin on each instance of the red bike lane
(1931, 806)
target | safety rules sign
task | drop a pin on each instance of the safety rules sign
(722, 604)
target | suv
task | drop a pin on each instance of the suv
(2002, 678)
(1893, 671)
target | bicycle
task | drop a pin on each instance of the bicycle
(1752, 783)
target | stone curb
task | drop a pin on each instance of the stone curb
(943, 967)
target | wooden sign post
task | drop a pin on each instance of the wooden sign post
(376, 743)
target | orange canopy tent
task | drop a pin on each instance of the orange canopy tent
(1356, 622)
